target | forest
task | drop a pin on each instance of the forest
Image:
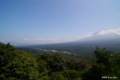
(21, 65)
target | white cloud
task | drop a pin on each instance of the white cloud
(103, 32)
(58, 40)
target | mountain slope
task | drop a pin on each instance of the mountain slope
(101, 35)
(85, 47)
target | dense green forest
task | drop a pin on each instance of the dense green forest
(29, 50)
(21, 65)
(35, 51)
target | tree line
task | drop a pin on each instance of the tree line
(20, 65)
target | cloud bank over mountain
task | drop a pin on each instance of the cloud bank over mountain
(104, 32)
(103, 35)
(100, 35)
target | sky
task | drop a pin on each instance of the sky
(54, 21)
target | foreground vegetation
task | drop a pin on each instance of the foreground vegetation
(20, 65)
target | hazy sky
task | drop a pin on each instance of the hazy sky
(47, 21)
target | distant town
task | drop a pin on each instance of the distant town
(64, 52)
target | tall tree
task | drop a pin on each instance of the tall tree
(17, 64)
(107, 64)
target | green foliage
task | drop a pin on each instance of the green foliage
(92, 62)
(58, 63)
(57, 76)
(73, 74)
(71, 63)
(17, 64)
(20, 65)
(42, 70)
(29, 50)
(54, 62)
(76, 64)
(106, 64)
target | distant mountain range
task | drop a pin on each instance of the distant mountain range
(101, 35)
(103, 38)
(83, 47)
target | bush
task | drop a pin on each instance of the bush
(107, 64)
(17, 64)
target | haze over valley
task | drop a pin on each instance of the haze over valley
(83, 48)
(59, 39)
